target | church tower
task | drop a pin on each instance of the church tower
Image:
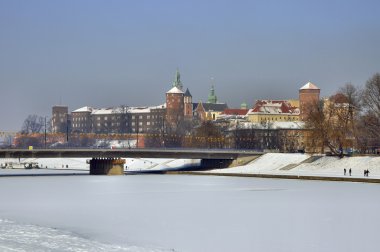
(177, 81)
(212, 97)
(188, 104)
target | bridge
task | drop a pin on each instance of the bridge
(109, 161)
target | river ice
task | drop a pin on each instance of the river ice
(186, 213)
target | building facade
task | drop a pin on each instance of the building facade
(272, 111)
(81, 120)
(60, 119)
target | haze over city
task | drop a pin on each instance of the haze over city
(108, 53)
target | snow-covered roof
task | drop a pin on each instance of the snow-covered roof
(119, 110)
(134, 110)
(274, 107)
(309, 85)
(84, 109)
(103, 111)
(272, 125)
(175, 90)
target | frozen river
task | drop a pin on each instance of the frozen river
(186, 213)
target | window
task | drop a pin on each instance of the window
(140, 123)
(105, 118)
(133, 117)
(148, 123)
(140, 117)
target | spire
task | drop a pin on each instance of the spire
(187, 93)
(177, 80)
(212, 97)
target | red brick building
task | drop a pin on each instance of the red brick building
(308, 96)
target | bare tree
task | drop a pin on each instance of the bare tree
(331, 122)
(371, 108)
(371, 95)
(33, 124)
(121, 113)
(208, 135)
(368, 125)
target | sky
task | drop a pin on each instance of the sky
(108, 53)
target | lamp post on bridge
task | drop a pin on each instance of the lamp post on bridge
(45, 132)
(67, 129)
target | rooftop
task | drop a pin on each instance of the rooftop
(84, 109)
(273, 107)
(309, 85)
(175, 90)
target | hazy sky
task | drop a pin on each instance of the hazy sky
(107, 53)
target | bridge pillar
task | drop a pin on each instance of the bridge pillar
(107, 166)
(215, 163)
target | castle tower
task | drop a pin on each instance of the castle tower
(308, 96)
(174, 106)
(60, 119)
(188, 104)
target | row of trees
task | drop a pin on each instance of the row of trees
(350, 119)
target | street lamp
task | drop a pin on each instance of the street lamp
(67, 129)
(45, 132)
(137, 131)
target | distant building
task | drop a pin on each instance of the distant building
(121, 120)
(208, 111)
(146, 119)
(272, 111)
(211, 109)
(188, 105)
(308, 96)
(60, 119)
(81, 120)
(104, 121)
(233, 113)
(174, 105)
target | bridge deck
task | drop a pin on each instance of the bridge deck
(127, 153)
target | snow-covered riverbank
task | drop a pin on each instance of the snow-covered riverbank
(270, 163)
(308, 165)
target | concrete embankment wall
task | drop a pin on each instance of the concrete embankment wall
(278, 176)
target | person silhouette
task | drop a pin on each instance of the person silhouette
(349, 171)
(344, 171)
